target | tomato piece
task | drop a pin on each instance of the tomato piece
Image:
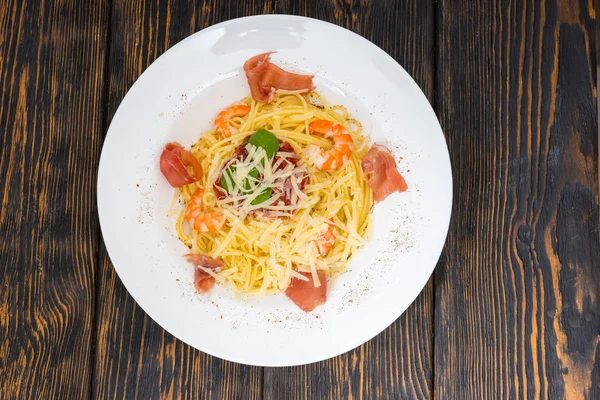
(179, 166)
(305, 294)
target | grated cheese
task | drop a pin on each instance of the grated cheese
(264, 246)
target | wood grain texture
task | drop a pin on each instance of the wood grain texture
(51, 102)
(135, 357)
(396, 364)
(517, 313)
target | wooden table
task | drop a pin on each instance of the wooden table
(513, 309)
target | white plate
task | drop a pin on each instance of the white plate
(177, 98)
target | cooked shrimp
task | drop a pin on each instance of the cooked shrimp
(326, 240)
(200, 220)
(342, 145)
(222, 124)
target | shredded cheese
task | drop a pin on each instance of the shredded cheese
(265, 246)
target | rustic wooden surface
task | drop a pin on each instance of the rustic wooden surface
(517, 308)
(513, 311)
(51, 97)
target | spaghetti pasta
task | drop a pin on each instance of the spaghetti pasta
(264, 245)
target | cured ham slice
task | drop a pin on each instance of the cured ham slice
(305, 294)
(179, 166)
(203, 281)
(384, 178)
(263, 77)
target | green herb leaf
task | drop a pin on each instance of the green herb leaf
(264, 196)
(266, 140)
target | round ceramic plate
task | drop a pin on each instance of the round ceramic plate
(178, 97)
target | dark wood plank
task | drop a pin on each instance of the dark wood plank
(135, 358)
(397, 364)
(517, 295)
(51, 99)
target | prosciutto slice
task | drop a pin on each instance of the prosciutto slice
(384, 178)
(203, 281)
(263, 77)
(179, 166)
(305, 294)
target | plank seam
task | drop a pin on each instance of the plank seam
(434, 100)
(104, 123)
